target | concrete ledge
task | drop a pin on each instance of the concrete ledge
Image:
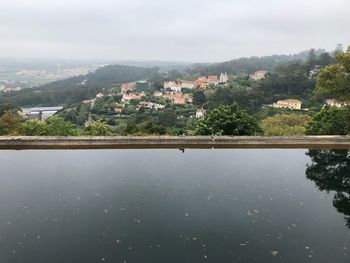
(173, 142)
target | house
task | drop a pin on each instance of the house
(288, 104)
(128, 97)
(223, 78)
(179, 100)
(261, 74)
(99, 95)
(158, 94)
(185, 84)
(151, 105)
(213, 80)
(200, 113)
(126, 87)
(335, 103)
(171, 85)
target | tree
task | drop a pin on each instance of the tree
(227, 120)
(131, 128)
(10, 124)
(285, 124)
(34, 128)
(199, 97)
(312, 58)
(56, 126)
(98, 129)
(330, 169)
(9, 107)
(330, 121)
(334, 80)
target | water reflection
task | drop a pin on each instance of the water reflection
(330, 170)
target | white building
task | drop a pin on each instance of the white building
(223, 78)
(200, 113)
(171, 85)
(261, 74)
(335, 103)
(187, 84)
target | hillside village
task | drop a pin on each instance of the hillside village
(134, 100)
(177, 92)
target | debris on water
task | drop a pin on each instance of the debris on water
(187, 214)
(106, 211)
(274, 253)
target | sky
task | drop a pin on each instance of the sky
(170, 30)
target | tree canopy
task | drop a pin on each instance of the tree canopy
(227, 120)
(334, 80)
(285, 124)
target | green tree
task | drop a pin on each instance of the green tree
(227, 120)
(330, 121)
(131, 128)
(312, 58)
(285, 124)
(199, 97)
(334, 80)
(329, 169)
(10, 124)
(34, 128)
(98, 129)
(58, 127)
(9, 107)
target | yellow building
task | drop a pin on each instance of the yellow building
(288, 104)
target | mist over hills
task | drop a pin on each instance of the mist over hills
(74, 89)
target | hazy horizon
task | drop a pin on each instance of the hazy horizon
(178, 31)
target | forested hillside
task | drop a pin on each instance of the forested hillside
(76, 89)
(252, 64)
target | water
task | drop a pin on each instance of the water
(168, 206)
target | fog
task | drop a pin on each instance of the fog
(191, 30)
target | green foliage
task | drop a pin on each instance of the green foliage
(72, 90)
(285, 124)
(9, 107)
(152, 128)
(291, 78)
(199, 97)
(10, 124)
(334, 80)
(227, 120)
(56, 126)
(34, 128)
(98, 129)
(330, 121)
(77, 113)
(131, 128)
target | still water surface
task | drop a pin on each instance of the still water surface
(168, 206)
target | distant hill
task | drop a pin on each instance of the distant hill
(248, 65)
(76, 89)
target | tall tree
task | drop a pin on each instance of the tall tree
(334, 80)
(227, 120)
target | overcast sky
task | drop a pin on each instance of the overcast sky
(177, 30)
